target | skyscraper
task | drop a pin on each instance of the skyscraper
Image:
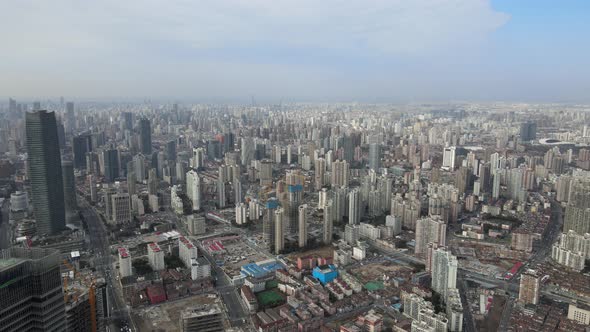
(193, 189)
(354, 207)
(340, 173)
(31, 296)
(44, 161)
(145, 136)
(528, 131)
(302, 225)
(111, 164)
(430, 229)
(328, 222)
(577, 212)
(374, 156)
(449, 158)
(268, 222)
(444, 272)
(279, 232)
(69, 182)
(81, 144)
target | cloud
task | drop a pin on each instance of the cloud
(76, 41)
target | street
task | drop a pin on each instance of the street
(119, 316)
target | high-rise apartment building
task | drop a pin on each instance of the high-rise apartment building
(279, 231)
(302, 225)
(430, 229)
(444, 272)
(530, 284)
(156, 257)
(45, 172)
(577, 212)
(340, 173)
(354, 207)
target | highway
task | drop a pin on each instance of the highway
(99, 244)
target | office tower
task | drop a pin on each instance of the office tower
(36, 106)
(81, 145)
(444, 272)
(577, 211)
(528, 131)
(120, 205)
(44, 162)
(125, 267)
(529, 291)
(111, 165)
(279, 232)
(127, 120)
(340, 173)
(145, 136)
(202, 317)
(328, 222)
(156, 257)
(69, 183)
(70, 117)
(268, 222)
(139, 168)
(171, 150)
(152, 183)
(449, 158)
(463, 179)
(354, 207)
(320, 171)
(193, 189)
(302, 225)
(131, 184)
(214, 150)
(374, 156)
(31, 297)
(241, 214)
(430, 229)
(247, 150)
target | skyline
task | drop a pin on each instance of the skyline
(446, 50)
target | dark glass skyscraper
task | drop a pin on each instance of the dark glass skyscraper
(145, 136)
(45, 172)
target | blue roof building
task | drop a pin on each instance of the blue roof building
(325, 274)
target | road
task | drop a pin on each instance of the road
(236, 313)
(99, 243)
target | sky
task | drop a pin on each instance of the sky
(304, 50)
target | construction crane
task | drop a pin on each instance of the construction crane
(91, 284)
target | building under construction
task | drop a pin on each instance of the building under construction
(31, 295)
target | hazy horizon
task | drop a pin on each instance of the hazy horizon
(379, 51)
